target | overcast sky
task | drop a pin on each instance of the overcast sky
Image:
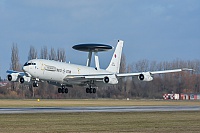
(160, 30)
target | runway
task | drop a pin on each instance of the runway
(97, 109)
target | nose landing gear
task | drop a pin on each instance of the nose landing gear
(35, 84)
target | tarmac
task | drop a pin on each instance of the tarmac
(97, 109)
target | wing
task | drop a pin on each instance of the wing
(20, 74)
(90, 76)
(84, 78)
(93, 79)
(109, 78)
(147, 76)
(15, 72)
(172, 71)
(154, 72)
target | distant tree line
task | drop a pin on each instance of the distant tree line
(129, 87)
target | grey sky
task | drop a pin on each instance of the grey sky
(161, 30)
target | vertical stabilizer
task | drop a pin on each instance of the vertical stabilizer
(116, 58)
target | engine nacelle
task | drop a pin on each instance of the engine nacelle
(111, 79)
(13, 77)
(106, 79)
(24, 79)
(145, 76)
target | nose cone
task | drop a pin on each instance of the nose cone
(25, 68)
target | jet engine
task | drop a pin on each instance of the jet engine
(13, 77)
(145, 76)
(110, 79)
(106, 79)
(25, 80)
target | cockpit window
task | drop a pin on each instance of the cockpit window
(28, 64)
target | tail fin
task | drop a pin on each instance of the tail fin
(116, 58)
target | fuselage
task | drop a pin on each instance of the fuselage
(50, 70)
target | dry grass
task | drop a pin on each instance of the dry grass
(150, 122)
(100, 102)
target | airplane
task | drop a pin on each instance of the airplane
(65, 75)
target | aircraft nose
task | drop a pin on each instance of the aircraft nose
(25, 68)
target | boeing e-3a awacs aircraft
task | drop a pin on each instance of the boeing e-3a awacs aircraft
(67, 75)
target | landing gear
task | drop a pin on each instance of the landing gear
(94, 90)
(62, 90)
(35, 84)
(91, 90)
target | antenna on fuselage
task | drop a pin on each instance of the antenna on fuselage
(92, 48)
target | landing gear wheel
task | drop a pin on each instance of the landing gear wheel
(62, 90)
(59, 90)
(87, 90)
(94, 90)
(35, 84)
(66, 90)
(91, 90)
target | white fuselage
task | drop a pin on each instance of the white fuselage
(50, 70)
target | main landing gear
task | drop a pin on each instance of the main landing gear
(91, 90)
(62, 90)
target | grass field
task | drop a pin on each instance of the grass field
(99, 102)
(150, 122)
(143, 122)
